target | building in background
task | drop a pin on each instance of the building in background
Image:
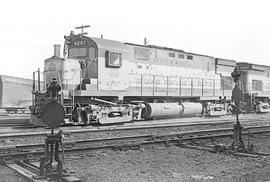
(15, 91)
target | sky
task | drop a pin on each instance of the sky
(230, 29)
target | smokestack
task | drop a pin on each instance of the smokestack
(57, 50)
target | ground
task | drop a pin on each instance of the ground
(7, 175)
(166, 164)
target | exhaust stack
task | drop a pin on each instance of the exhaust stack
(57, 48)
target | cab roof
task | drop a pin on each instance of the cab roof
(110, 45)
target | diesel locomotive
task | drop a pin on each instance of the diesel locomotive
(108, 81)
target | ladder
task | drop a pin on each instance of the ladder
(67, 104)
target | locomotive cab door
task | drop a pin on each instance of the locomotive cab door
(92, 67)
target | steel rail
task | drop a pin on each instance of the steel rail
(119, 128)
(8, 125)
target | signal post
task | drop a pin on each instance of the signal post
(237, 95)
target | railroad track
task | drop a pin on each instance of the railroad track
(86, 129)
(24, 119)
(23, 123)
(13, 122)
(130, 127)
(34, 151)
(23, 158)
(8, 125)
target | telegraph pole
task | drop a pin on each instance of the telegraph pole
(82, 27)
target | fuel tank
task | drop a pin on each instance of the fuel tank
(162, 110)
(191, 109)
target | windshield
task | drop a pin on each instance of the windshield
(77, 52)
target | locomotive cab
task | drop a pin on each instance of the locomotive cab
(103, 63)
(84, 51)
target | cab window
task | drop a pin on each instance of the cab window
(77, 52)
(113, 59)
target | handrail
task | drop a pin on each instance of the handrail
(195, 88)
